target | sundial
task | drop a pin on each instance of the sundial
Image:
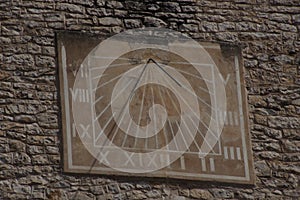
(153, 103)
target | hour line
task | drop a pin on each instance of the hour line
(127, 85)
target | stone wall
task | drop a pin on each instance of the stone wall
(30, 136)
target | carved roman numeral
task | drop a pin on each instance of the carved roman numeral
(80, 95)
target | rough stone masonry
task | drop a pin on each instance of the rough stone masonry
(30, 135)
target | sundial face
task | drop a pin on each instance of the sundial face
(153, 103)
